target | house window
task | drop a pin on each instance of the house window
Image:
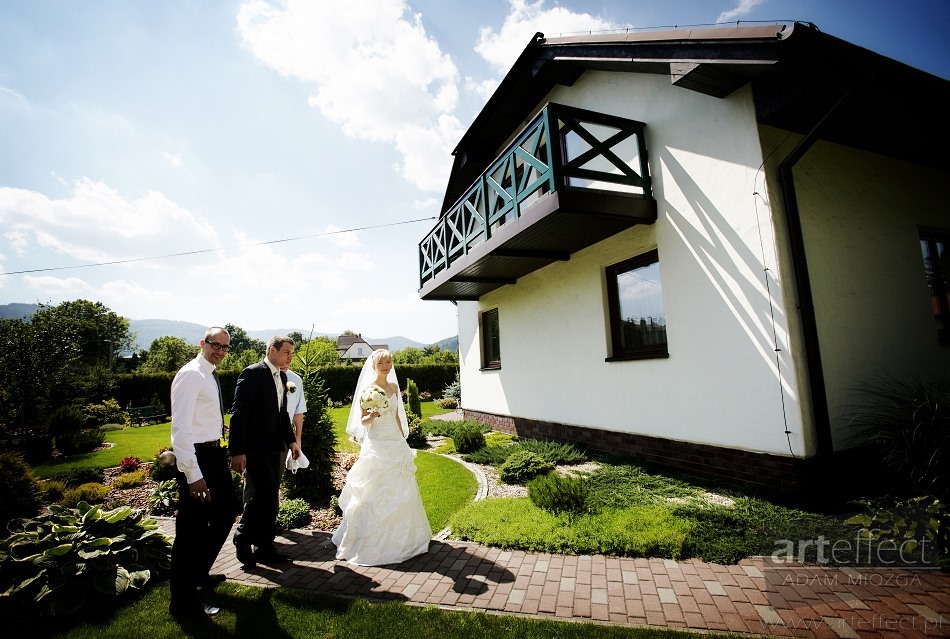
(359, 351)
(491, 340)
(635, 304)
(933, 246)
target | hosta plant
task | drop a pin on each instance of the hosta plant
(55, 563)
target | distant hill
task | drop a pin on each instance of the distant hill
(17, 311)
(148, 330)
(449, 344)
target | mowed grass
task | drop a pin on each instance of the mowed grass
(446, 486)
(516, 523)
(248, 611)
(142, 442)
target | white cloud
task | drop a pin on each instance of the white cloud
(63, 287)
(524, 19)
(174, 159)
(375, 72)
(17, 240)
(97, 223)
(742, 8)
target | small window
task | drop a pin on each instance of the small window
(359, 351)
(491, 340)
(635, 304)
(933, 246)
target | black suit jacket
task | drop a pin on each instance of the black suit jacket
(258, 425)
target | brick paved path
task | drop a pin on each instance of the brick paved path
(756, 596)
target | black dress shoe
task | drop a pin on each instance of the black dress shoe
(210, 581)
(244, 555)
(193, 610)
(269, 554)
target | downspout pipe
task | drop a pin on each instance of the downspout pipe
(824, 445)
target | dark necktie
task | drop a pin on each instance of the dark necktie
(217, 381)
(283, 388)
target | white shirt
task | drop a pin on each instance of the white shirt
(296, 402)
(196, 413)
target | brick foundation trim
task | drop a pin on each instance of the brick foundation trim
(793, 476)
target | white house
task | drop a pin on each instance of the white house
(354, 347)
(693, 246)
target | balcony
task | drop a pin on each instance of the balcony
(570, 179)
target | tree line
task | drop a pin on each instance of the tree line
(66, 354)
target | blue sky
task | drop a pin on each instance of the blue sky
(136, 130)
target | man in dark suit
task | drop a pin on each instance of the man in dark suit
(260, 428)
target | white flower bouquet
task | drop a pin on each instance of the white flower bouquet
(374, 398)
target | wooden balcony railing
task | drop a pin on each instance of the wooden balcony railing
(562, 149)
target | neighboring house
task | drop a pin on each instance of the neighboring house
(693, 246)
(354, 347)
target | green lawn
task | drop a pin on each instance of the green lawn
(446, 486)
(142, 442)
(248, 611)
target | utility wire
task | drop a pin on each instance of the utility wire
(214, 250)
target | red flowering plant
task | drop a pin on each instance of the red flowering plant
(128, 464)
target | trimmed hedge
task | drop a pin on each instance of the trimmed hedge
(338, 381)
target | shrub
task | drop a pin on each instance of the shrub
(417, 436)
(128, 464)
(106, 412)
(453, 390)
(91, 493)
(558, 493)
(315, 484)
(293, 513)
(57, 563)
(80, 441)
(77, 476)
(65, 419)
(490, 455)
(447, 402)
(522, 466)
(908, 422)
(413, 403)
(131, 479)
(19, 489)
(51, 491)
(468, 437)
(35, 444)
(440, 427)
(164, 498)
(335, 505)
(898, 526)
(554, 452)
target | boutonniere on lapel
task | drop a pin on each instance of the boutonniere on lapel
(291, 387)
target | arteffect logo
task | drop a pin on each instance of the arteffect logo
(866, 549)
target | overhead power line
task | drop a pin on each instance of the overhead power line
(215, 250)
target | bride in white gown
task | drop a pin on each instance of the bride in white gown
(384, 521)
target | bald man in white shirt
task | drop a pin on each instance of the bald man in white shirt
(206, 503)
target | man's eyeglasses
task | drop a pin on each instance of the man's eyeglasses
(218, 347)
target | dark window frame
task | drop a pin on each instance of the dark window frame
(489, 326)
(940, 295)
(618, 352)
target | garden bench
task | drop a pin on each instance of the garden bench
(143, 415)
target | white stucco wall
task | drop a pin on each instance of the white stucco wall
(722, 384)
(861, 214)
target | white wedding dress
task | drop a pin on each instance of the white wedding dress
(384, 521)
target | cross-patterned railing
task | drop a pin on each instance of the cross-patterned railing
(589, 151)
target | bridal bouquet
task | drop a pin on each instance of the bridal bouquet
(374, 398)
